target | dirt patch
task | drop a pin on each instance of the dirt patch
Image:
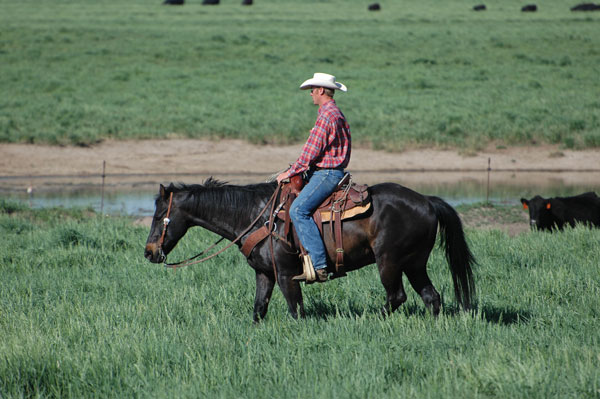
(239, 162)
(511, 220)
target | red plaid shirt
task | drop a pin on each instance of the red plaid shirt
(328, 145)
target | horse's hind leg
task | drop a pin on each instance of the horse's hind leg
(417, 275)
(390, 274)
(415, 268)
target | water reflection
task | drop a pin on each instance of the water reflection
(136, 198)
(121, 203)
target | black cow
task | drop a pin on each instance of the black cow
(529, 8)
(479, 7)
(247, 2)
(551, 213)
(174, 2)
(374, 7)
(210, 2)
(586, 7)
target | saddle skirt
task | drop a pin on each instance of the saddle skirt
(327, 216)
(349, 200)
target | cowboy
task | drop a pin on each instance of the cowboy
(324, 157)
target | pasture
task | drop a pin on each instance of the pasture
(419, 72)
(83, 314)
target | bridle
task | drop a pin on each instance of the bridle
(166, 222)
(188, 262)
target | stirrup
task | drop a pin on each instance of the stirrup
(308, 274)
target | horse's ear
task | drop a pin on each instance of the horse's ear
(525, 203)
(162, 191)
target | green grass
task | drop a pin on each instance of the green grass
(418, 72)
(82, 314)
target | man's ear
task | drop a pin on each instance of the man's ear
(548, 205)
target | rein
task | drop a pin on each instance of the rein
(188, 261)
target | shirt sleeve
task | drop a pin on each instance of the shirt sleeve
(313, 148)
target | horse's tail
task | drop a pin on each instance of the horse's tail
(458, 254)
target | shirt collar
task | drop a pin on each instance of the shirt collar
(326, 105)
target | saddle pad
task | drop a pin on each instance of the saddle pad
(357, 210)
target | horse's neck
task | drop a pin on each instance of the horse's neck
(222, 219)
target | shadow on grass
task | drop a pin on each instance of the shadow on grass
(492, 314)
(505, 316)
(324, 311)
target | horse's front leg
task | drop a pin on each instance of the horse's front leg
(264, 289)
(293, 295)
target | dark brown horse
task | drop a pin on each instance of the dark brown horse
(398, 234)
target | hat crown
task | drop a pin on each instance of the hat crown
(324, 77)
(323, 80)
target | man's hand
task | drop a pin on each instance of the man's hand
(282, 176)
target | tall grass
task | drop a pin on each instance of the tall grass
(82, 314)
(419, 72)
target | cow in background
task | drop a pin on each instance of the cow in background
(550, 213)
(529, 8)
(586, 7)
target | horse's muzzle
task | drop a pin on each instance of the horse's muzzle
(153, 253)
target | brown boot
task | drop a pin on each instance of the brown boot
(308, 275)
(322, 275)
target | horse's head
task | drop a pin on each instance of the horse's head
(168, 225)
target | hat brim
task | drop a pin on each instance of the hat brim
(319, 83)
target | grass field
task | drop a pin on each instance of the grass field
(419, 72)
(83, 314)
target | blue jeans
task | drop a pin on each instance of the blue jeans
(321, 183)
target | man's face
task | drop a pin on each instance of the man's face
(316, 93)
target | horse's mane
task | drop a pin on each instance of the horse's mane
(238, 199)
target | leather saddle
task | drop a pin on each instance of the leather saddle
(347, 201)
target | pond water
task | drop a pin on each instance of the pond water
(136, 197)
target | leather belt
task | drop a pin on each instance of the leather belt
(316, 168)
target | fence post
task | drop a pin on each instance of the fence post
(102, 197)
(30, 193)
(489, 169)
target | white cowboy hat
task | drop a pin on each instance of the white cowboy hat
(323, 80)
